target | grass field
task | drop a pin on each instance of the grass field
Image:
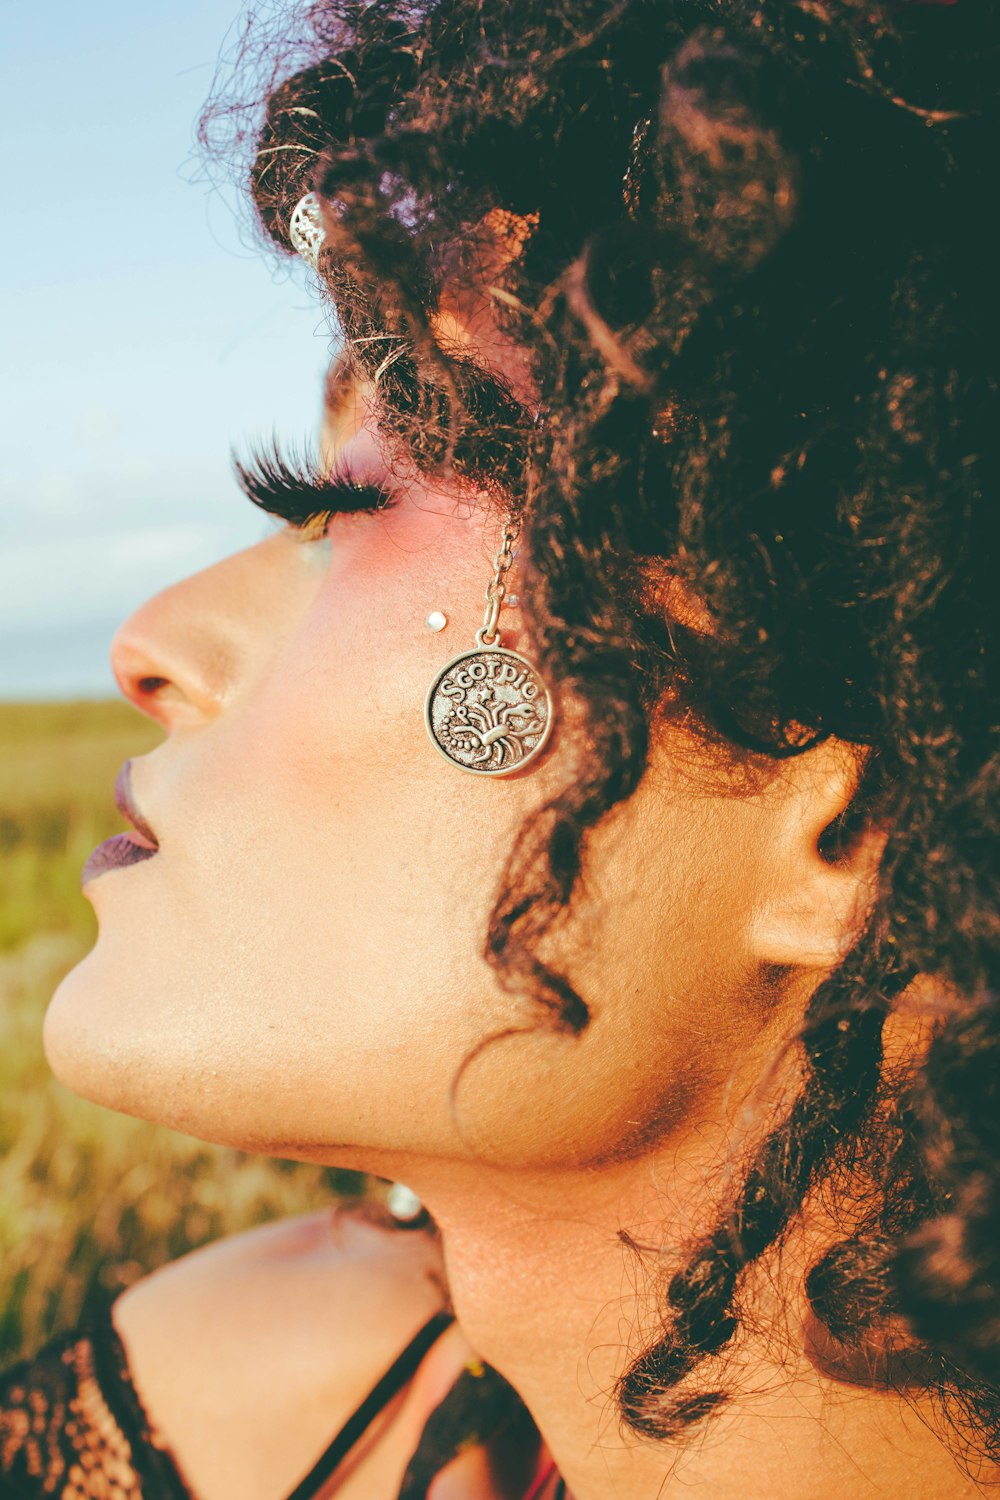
(88, 1200)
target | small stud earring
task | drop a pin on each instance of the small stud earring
(436, 620)
(404, 1205)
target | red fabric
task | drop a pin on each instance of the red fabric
(546, 1471)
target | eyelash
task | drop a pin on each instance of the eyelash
(294, 489)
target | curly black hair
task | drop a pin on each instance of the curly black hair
(757, 284)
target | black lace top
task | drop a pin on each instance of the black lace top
(72, 1426)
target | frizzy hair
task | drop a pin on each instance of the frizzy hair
(760, 303)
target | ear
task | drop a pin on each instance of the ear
(817, 890)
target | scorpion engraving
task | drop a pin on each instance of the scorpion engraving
(495, 730)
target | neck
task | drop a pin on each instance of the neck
(548, 1293)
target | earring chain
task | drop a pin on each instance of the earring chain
(488, 634)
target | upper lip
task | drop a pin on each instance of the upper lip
(126, 804)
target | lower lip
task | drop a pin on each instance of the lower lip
(115, 854)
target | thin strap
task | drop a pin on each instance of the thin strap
(540, 1482)
(392, 1382)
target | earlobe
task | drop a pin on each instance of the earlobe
(817, 893)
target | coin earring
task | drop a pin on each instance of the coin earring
(489, 711)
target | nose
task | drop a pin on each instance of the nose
(185, 653)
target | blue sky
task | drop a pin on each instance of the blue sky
(141, 331)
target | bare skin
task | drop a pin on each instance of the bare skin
(321, 1311)
(299, 970)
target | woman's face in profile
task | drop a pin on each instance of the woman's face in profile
(299, 967)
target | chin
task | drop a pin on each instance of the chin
(72, 1036)
(103, 1044)
(117, 1040)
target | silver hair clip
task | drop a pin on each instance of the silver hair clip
(306, 229)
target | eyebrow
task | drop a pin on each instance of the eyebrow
(496, 414)
(338, 385)
(341, 388)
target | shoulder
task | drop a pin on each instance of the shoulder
(340, 1267)
(264, 1343)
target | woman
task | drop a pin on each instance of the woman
(644, 924)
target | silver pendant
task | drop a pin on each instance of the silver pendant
(488, 711)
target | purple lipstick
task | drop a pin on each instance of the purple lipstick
(124, 848)
(114, 854)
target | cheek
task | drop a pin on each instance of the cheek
(301, 964)
(658, 947)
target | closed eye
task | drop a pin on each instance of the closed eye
(294, 489)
